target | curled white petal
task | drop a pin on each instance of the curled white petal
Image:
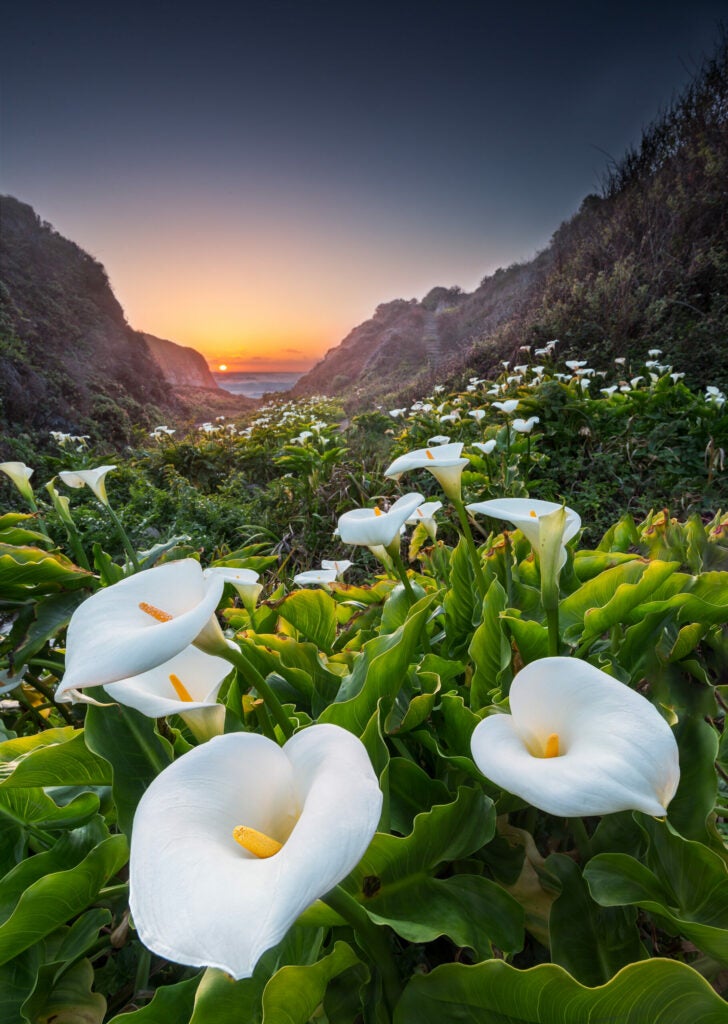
(371, 528)
(317, 795)
(110, 637)
(616, 752)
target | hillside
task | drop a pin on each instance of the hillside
(644, 264)
(69, 361)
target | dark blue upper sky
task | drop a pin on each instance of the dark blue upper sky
(260, 177)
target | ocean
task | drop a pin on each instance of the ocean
(255, 385)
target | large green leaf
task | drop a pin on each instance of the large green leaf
(32, 806)
(597, 593)
(378, 672)
(56, 896)
(294, 992)
(681, 881)
(136, 752)
(50, 615)
(461, 602)
(313, 614)
(450, 738)
(65, 997)
(530, 637)
(173, 1003)
(591, 942)
(411, 791)
(56, 757)
(651, 992)
(29, 572)
(697, 791)
(394, 884)
(490, 650)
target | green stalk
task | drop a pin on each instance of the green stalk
(75, 541)
(372, 940)
(581, 838)
(131, 553)
(402, 572)
(253, 678)
(470, 543)
(552, 619)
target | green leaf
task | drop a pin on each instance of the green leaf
(490, 650)
(597, 593)
(681, 881)
(653, 992)
(378, 672)
(313, 614)
(31, 806)
(592, 943)
(294, 992)
(29, 572)
(57, 895)
(531, 638)
(173, 1003)
(461, 602)
(411, 791)
(392, 880)
(450, 739)
(698, 787)
(65, 998)
(50, 615)
(137, 754)
(55, 757)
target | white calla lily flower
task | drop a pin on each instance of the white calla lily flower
(486, 447)
(20, 474)
(439, 439)
(445, 462)
(141, 622)
(315, 577)
(579, 742)
(526, 515)
(508, 407)
(525, 426)
(425, 514)
(252, 834)
(93, 478)
(338, 565)
(245, 582)
(372, 528)
(186, 685)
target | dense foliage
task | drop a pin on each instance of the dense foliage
(479, 895)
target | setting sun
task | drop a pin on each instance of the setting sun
(222, 367)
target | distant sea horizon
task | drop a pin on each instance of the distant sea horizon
(255, 385)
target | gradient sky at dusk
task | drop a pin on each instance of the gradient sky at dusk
(256, 180)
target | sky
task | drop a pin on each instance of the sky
(257, 178)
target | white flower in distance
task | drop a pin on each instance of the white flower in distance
(372, 528)
(525, 426)
(508, 406)
(425, 514)
(575, 364)
(477, 414)
(93, 478)
(141, 622)
(439, 439)
(315, 577)
(527, 514)
(486, 447)
(20, 474)
(578, 742)
(245, 582)
(339, 565)
(445, 462)
(239, 836)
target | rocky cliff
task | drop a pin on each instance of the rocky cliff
(181, 366)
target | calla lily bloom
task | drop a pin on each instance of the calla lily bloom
(439, 439)
(507, 407)
(315, 577)
(486, 447)
(338, 565)
(20, 474)
(579, 742)
(445, 462)
(525, 426)
(477, 414)
(187, 685)
(245, 582)
(141, 622)
(93, 478)
(252, 834)
(526, 515)
(425, 514)
(372, 528)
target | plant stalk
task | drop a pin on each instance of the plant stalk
(472, 550)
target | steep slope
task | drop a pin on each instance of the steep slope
(643, 265)
(181, 365)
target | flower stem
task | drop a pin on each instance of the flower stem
(581, 838)
(372, 940)
(131, 553)
(472, 550)
(402, 573)
(253, 678)
(552, 619)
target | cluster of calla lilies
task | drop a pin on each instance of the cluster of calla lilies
(251, 858)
